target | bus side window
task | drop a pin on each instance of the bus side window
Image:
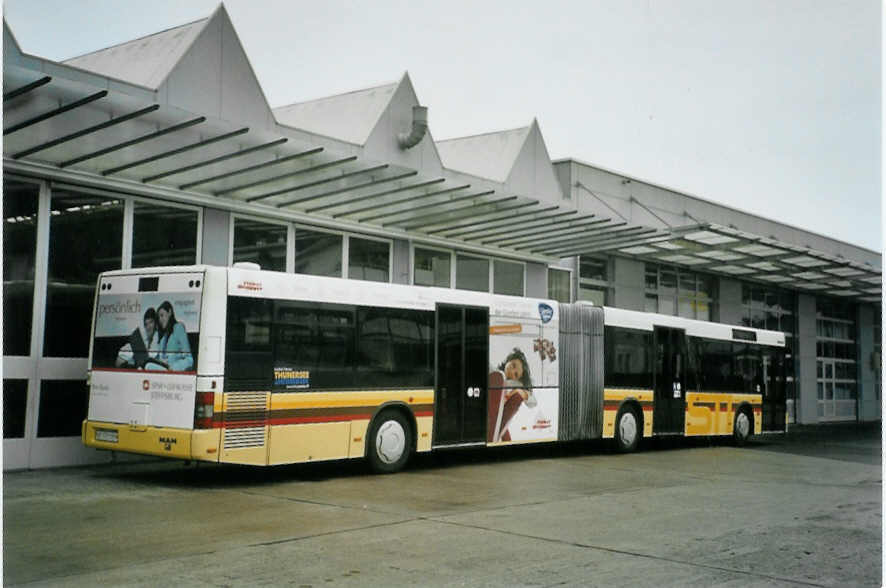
(248, 349)
(627, 358)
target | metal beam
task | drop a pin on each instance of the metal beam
(26, 88)
(348, 189)
(240, 153)
(320, 182)
(291, 174)
(176, 151)
(377, 195)
(129, 143)
(580, 246)
(252, 168)
(55, 112)
(486, 221)
(577, 234)
(426, 206)
(436, 219)
(523, 234)
(411, 198)
(550, 219)
(86, 131)
(601, 237)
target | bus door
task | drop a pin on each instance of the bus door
(669, 413)
(774, 388)
(462, 361)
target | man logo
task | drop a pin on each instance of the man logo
(146, 385)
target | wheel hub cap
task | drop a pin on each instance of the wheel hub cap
(390, 442)
(742, 424)
(627, 427)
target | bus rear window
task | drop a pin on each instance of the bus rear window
(148, 323)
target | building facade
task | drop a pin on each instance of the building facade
(164, 151)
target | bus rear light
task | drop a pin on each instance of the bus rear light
(204, 410)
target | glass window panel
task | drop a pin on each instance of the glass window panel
(703, 310)
(705, 287)
(758, 296)
(163, 235)
(686, 308)
(369, 260)
(19, 259)
(507, 278)
(248, 349)
(261, 243)
(592, 269)
(62, 408)
(432, 268)
(745, 294)
(771, 320)
(668, 279)
(686, 282)
(628, 359)
(667, 305)
(758, 318)
(558, 285)
(651, 304)
(395, 347)
(318, 254)
(595, 295)
(651, 276)
(472, 273)
(85, 238)
(15, 401)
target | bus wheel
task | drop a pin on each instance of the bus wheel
(627, 429)
(390, 442)
(741, 428)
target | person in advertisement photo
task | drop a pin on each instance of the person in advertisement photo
(510, 388)
(175, 350)
(142, 345)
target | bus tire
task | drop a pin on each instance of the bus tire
(743, 426)
(627, 429)
(390, 442)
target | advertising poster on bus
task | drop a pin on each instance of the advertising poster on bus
(147, 331)
(523, 375)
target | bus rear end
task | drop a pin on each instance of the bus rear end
(145, 395)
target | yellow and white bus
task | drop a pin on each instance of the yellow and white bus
(240, 365)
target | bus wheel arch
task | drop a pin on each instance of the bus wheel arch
(743, 424)
(628, 426)
(390, 438)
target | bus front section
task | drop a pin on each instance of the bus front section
(145, 395)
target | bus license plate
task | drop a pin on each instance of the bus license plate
(106, 435)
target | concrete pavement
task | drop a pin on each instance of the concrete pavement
(678, 513)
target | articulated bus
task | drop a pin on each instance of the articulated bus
(239, 365)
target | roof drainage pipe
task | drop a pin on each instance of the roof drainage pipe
(419, 128)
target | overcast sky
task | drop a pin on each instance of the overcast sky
(772, 107)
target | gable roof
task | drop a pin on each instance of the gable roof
(350, 117)
(146, 61)
(490, 155)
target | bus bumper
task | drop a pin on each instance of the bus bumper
(163, 441)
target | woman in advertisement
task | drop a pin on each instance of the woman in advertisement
(513, 384)
(175, 350)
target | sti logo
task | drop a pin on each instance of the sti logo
(146, 385)
(545, 312)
